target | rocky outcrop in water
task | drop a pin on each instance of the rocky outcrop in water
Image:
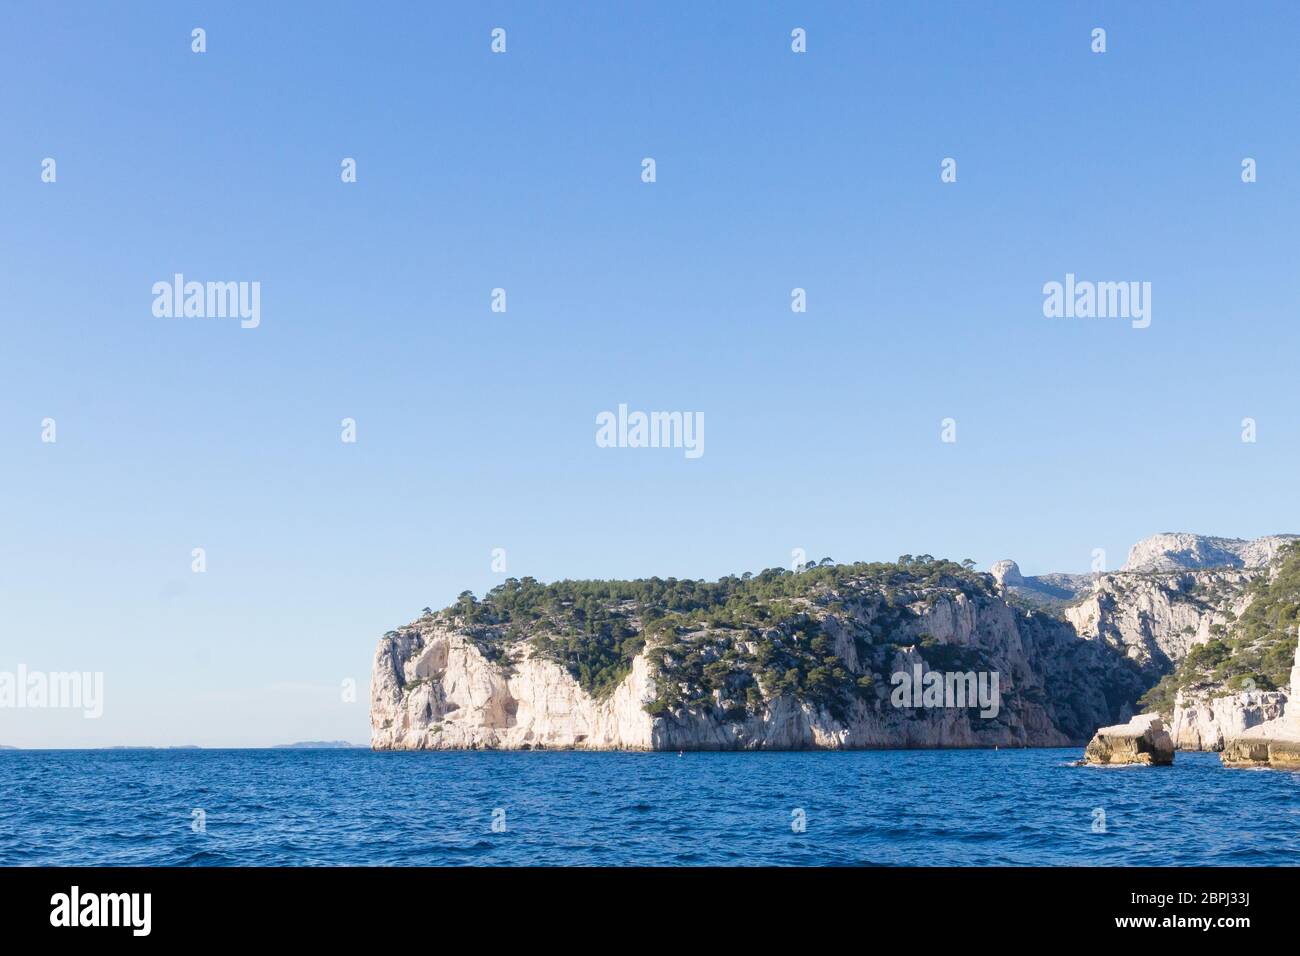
(1262, 748)
(1143, 740)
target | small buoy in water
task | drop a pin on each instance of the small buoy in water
(680, 754)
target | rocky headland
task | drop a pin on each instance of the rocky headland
(816, 658)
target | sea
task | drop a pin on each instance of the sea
(549, 808)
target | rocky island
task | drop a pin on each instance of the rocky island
(1190, 629)
(1143, 740)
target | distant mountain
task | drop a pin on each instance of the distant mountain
(1170, 551)
(1214, 619)
(1244, 669)
(1045, 590)
(1179, 551)
(320, 745)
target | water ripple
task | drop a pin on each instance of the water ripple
(319, 808)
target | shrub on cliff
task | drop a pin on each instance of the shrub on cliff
(726, 643)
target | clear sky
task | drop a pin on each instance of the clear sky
(522, 171)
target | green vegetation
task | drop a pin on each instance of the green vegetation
(726, 644)
(1255, 650)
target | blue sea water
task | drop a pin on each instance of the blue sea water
(330, 807)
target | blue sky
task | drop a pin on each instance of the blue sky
(522, 171)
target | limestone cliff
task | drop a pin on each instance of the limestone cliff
(1206, 722)
(433, 689)
(785, 660)
(779, 661)
(1271, 743)
(1182, 551)
(1237, 676)
(1156, 618)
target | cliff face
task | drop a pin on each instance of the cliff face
(1156, 618)
(709, 687)
(1271, 743)
(813, 659)
(1206, 723)
(1181, 551)
(433, 689)
(1239, 676)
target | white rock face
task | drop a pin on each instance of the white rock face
(1180, 551)
(1042, 590)
(1007, 573)
(1273, 743)
(1207, 724)
(1157, 620)
(433, 689)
